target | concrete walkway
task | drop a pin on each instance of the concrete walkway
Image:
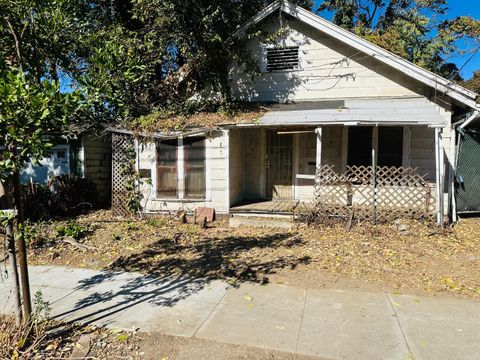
(330, 324)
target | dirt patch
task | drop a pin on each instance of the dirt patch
(60, 341)
(412, 258)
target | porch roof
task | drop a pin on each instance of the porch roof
(409, 111)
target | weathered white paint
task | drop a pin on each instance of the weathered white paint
(438, 177)
(318, 132)
(474, 116)
(406, 146)
(422, 150)
(400, 111)
(237, 165)
(217, 154)
(331, 70)
(226, 138)
(343, 36)
(56, 164)
(181, 168)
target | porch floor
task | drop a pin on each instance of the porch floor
(286, 207)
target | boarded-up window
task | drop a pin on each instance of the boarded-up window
(282, 58)
(194, 149)
(390, 146)
(167, 169)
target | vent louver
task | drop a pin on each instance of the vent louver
(283, 58)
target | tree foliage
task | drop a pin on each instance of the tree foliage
(409, 28)
(36, 45)
(145, 55)
(29, 113)
(473, 83)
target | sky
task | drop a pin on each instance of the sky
(456, 8)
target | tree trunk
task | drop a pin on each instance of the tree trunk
(6, 203)
(12, 259)
(22, 250)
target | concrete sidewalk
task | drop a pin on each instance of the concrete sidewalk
(331, 324)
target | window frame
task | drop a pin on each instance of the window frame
(181, 171)
(157, 172)
(186, 166)
(375, 144)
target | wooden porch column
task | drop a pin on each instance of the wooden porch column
(440, 174)
(181, 168)
(319, 132)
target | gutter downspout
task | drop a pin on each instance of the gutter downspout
(467, 122)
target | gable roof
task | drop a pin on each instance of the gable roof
(447, 87)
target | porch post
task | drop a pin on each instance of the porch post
(451, 160)
(319, 132)
(439, 167)
(181, 168)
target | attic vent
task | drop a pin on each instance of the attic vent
(282, 58)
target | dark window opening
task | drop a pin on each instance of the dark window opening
(195, 184)
(282, 58)
(359, 146)
(167, 171)
(390, 146)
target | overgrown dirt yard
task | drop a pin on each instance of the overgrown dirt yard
(75, 341)
(407, 257)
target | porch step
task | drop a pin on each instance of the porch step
(281, 222)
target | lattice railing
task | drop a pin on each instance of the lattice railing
(399, 193)
(121, 145)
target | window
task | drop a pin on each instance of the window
(167, 169)
(282, 58)
(390, 146)
(194, 152)
(360, 146)
(191, 169)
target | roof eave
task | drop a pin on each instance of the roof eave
(447, 87)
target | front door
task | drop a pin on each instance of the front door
(279, 164)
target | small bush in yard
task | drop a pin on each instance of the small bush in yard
(24, 341)
(72, 229)
(33, 233)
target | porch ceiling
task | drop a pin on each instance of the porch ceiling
(410, 111)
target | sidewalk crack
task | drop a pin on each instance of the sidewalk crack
(397, 318)
(301, 321)
(211, 312)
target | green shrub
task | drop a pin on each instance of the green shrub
(72, 229)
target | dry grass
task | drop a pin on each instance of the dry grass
(421, 260)
(243, 113)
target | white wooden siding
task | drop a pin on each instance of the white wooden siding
(237, 165)
(332, 142)
(330, 70)
(305, 154)
(422, 150)
(216, 180)
(97, 152)
(254, 179)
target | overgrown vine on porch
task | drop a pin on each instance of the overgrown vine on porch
(133, 183)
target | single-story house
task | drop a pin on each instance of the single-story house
(326, 106)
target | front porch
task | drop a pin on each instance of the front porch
(272, 171)
(273, 207)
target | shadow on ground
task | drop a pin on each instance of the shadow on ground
(174, 270)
